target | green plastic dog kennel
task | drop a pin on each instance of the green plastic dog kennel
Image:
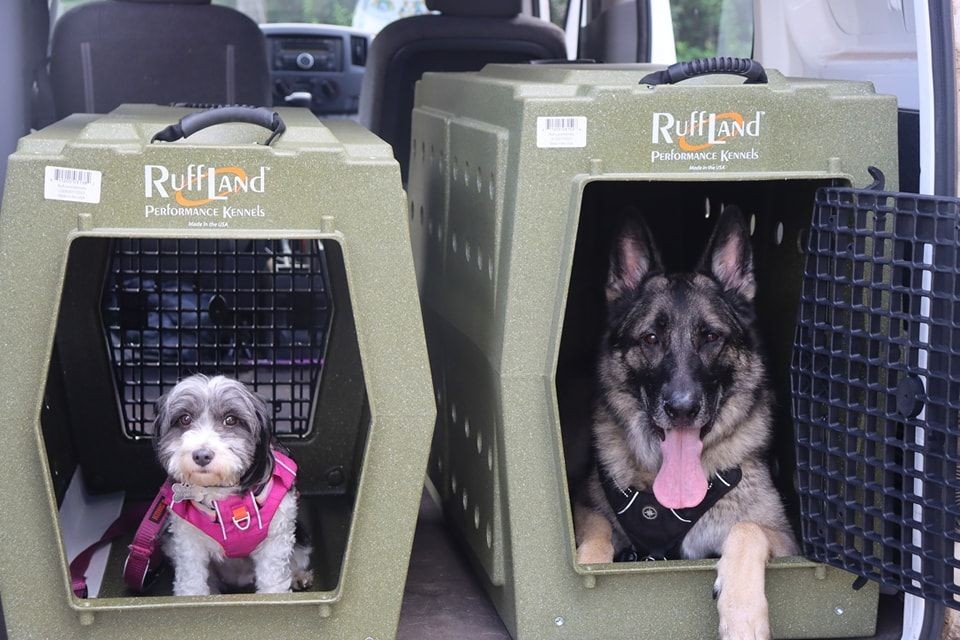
(127, 263)
(515, 172)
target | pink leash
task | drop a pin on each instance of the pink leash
(144, 554)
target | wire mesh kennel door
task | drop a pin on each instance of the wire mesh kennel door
(257, 310)
(876, 388)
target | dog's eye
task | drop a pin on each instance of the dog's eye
(185, 419)
(230, 421)
(711, 336)
(650, 339)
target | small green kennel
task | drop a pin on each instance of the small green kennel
(127, 263)
(516, 174)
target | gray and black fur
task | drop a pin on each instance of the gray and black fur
(682, 351)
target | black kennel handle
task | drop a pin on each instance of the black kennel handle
(193, 122)
(750, 69)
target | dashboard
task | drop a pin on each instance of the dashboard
(316, 66)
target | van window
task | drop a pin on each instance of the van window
(366, 15)
(704, 28)
(558, 12)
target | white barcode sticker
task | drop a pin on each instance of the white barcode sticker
(562, 132)
(72, 185)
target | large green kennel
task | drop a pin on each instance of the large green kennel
(516, 173)
(126, 264)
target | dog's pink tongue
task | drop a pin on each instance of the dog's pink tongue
(680, 483)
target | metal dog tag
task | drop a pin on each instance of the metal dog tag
(183, 492)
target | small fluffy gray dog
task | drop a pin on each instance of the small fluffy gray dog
(234, 518)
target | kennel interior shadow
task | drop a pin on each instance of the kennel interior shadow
(137, 315)
(681, 216)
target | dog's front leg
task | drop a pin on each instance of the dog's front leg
(741, 601)
(594, 536)
(271, 561)
(191, 563)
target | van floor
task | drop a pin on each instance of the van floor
(444, 601)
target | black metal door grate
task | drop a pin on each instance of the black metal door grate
(876, 388)
(257, 310)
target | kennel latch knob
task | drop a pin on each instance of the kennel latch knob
(910, 396)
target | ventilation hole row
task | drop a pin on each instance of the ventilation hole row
(473, 179)
(472, 255)
(469, 177)
(477, 519)
(777, 233)
(426, 220)
(460, 492)
(417, 213)
(470, 433)
(419, 149)
(439, 400)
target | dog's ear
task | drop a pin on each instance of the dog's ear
(160, 419)
(262, 465)
(634, 257)
(729, 257)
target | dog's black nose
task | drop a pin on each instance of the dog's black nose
(682, 406)
(202, 457)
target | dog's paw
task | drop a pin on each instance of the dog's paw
(743, 612)
(594, 552)
(193, 590)
(302, 579)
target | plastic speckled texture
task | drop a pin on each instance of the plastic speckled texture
(92, 178)
(512, 172)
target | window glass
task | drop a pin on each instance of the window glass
(62, 6)
(558, 12)
(704, 28)
(366, 15)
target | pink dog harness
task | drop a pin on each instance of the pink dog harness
(238, 523)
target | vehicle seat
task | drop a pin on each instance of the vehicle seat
(114, 51)
(465, 36)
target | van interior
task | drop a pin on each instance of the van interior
(360, 60)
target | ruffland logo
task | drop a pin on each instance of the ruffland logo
(202, 192)
(697, 137)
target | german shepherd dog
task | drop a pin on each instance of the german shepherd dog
(683, 409)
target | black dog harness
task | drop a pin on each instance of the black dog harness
(656, 532)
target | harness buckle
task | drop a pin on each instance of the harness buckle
(140, 550)
(241, 515)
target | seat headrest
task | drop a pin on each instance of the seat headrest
(168, 1)
(477, 8)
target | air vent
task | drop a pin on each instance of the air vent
(358, 51)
